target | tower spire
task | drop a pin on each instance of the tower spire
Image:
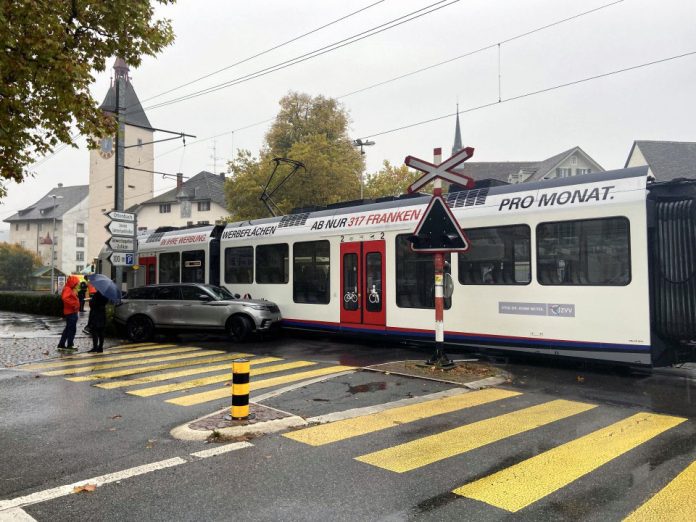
(457, 136)
(121, 69)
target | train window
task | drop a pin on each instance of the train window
(592, 252)
(310, 272)
(415, 277)
(350, 282)
(239, 265)
(272, 264)
(498, 256)
(193, 266)
(373, 282)
(169, 267)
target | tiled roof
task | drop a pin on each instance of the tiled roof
(48, 208)
(668, 159)
(134, 113)
(201, 187)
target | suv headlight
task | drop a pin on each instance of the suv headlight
(258, 307)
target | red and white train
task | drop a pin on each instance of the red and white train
(599, 266)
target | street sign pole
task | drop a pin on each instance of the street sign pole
(119, 159)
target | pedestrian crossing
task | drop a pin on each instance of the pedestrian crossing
(524, 482)
(162, 370)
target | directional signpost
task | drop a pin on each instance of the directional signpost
(438, 232)
(122, 228)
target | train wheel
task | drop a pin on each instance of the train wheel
(239, 327)
(140, 328)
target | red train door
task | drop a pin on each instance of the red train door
(149, 266)
(363, 283)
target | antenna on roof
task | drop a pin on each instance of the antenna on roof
(266, 195)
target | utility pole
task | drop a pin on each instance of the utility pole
(362, 143)
(120, 158)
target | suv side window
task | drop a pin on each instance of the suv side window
(191, 293)
(167, 293)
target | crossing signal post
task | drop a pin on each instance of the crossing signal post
(438, 232)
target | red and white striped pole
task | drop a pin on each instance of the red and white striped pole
(439, 358)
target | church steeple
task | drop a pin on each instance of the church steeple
(457, 136)
(121, 69)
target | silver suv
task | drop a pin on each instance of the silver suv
(193, 306)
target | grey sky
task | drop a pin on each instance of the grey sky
(602, 116)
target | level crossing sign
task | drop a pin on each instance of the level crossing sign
(441, 171)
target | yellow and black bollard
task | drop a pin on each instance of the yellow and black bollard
(240, 389)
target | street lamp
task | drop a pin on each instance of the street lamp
(53, 241)
(362, 143)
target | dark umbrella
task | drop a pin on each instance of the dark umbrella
(105, 287)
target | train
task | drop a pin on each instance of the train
(599, 267)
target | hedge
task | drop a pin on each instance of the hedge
(31, 303)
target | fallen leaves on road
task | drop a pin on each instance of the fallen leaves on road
(580, 378)
(86, 488)
(116, 417)
(46, 352)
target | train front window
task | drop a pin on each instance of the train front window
(310, 269)
(239, 265)
(592, 252)
(415, 277)
(272, 264)
(193, 269)
(497, 256)
(169, 267)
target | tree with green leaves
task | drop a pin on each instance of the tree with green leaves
(16, 266)
(390, 180)
(50, 51)
(312, 130)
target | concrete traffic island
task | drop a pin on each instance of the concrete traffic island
(470, 373)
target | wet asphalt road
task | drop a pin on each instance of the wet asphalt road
(57, 432)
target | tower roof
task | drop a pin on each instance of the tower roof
(134, 113)
(457, 136)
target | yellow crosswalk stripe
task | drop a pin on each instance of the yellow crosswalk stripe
(424, 451)
(345, 429)
(131, 345)
(155, 368)
(126, 348)
(205, 381)
(96, 359)
(518, 486)
(174, 375)
(178, 354)
(674, 502)
(199, 398)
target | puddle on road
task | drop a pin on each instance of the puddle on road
(367, 387)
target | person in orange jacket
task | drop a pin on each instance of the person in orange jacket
(71, 307)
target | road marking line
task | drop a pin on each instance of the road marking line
(434, 448)
(16, 515)
(61, 491)
(132, 345)
(285, 389)
(673, 502)
(180, 354)
(156, 367)
(199, 398)
(205, 381)
(173, 375)
(518, 486)
(345, 429)
(96, 359)
(212, 452)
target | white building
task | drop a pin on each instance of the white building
(58, 222)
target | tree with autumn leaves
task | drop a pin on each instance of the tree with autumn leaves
(16, 266)
(50, 51)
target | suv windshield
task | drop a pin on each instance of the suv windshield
(219, 292)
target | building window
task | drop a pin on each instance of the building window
(272, 264)
(239, 265)
(203, 206)
(79, 256)
(193, 266)
(498, 256)
(80, 228)
(140, 142)
(22, 244)
(580, 172)
(16, 226)
(591, 252)
(573, 160)
(564, 172)
(415, 277)
(40, 225)
(28, 226)
(80, 242)
(165, 208)
(79, 268)
(310, 272)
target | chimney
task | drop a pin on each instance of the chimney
(60, 185)
(179, 179)
(222, 176)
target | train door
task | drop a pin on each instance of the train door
(149, 266)
(363, 283)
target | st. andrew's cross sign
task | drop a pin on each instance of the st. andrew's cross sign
(438, 230)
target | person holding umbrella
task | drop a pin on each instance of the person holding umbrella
(106, 291)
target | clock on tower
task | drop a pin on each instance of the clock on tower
(106, 148)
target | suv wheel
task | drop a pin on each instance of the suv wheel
(140, 328)
(239, 327)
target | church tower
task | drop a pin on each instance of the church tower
(139, 153)
(457, 136)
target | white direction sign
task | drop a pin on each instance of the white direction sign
(121, 244)
(120, 228)
(122, 259)
(121, 216)
(442, 171)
